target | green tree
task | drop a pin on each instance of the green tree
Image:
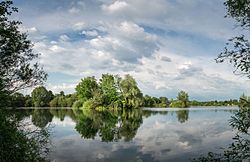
(4, 97)
(41, 97)
(18, 69)
(28, 101)
(237, 50)
(164, 102)
(17, 100)
(86, 88)
(108, 87)
(177, 104)
(131, 94)
(148, 101)
(19, 143)
(183, 96)
(70, 99)
(60, 100)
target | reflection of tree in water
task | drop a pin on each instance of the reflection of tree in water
(130, 122)
(62, 113)
(110, 126)
(148, 113)
(182, 115)
(41, 117)
(20, 143)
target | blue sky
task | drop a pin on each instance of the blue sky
(166, 45)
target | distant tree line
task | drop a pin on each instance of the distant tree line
(215, 103)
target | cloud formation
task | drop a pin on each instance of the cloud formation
(166, 45)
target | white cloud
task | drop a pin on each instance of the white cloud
(74, 10)
(92, 33)
(116, 6)
(79, 26)
(126, 42)
(30, 30)
(66, 87)
(166, 45)
(64, 38)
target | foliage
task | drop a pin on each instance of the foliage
(19, 143)
(17, 100)
(41, 97)
(4, 97)
(86, 88)
(108, 87)
(112, 92)
(155, 102)
(177, 104)
(237, 52)
(77, 104)
(215, 103)
(239, 10)
(131, 94)
(18, 69)
(238, 48)
(183, 97)
(63, 101)
(110, 126)
(28, 101)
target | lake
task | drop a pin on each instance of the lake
(148, 134)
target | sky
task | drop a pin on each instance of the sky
(166, 45)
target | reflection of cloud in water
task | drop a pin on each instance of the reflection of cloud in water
(159, 138)
(65, 123)
(73, 148)
(186, 139)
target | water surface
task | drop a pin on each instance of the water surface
(136, 135)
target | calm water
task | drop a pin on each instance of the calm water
(138, 135)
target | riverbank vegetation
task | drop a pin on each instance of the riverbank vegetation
(110, 92)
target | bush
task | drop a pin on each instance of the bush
(77, 104)
(177, 104)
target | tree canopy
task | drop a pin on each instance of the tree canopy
(237, 50)
(110, 92)
(18, 66)
(86, 88)
(41, 96)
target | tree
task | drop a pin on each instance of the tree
(183, 96)
(108, 87)
(19, 143)
(148, 101)
(164, 102)
(17, 100)
(28, 101)
(237, 50)
(41, 97)
(131, 94)
(86, 88)
(18, 69)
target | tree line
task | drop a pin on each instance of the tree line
(110, 92)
